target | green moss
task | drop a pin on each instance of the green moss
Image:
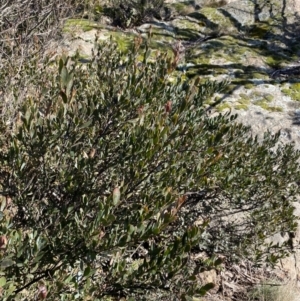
(244, 96)
(223, 106)
(286, 91)
(98, 9)
(186, 34)
(275, 61)
(262, 97)
(293, 91)
(156, 46)
(123, 42)
(235, 50)
(221, 71)
(275, 109)
(249, 86)
(162, 35)
(265, 105)
(186, 29)
(200, 59)
(244, 99)
(295, 86)
(229, 50)
(81, 24)
(183, 8)
(213, 15)
(260, 75)
(241, 107)
(256, 94)
(268, 97)
(213, 101)
(259, 31)
(229, 89)
(216, 3)
(243, 102)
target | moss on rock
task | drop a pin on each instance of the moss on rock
(223, 106)
(260, 30)
(264, 104)
(183, 8)
(216, 17)
(249, 86)
(241, 106)
(186, 29)
(275, 60)
(243, 102)
(260, 75)
(269, 97)
(81, 24)
(293, 91)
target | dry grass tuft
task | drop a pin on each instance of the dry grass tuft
(27, 28)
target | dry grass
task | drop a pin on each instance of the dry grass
(27, 28)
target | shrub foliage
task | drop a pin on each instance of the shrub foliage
(132, 13)
(114, 178)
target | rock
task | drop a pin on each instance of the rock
(209, 277)
(247, 11)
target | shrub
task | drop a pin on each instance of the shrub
(112, 174)
(132, 13)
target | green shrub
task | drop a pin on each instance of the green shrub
(132, 13)
(113, 179)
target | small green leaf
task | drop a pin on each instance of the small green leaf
(2, 281)
(63, 77)
(63, 96)
(60, 66)
(87, 124)
(87, 271)
(6, 262)
(205, 288)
